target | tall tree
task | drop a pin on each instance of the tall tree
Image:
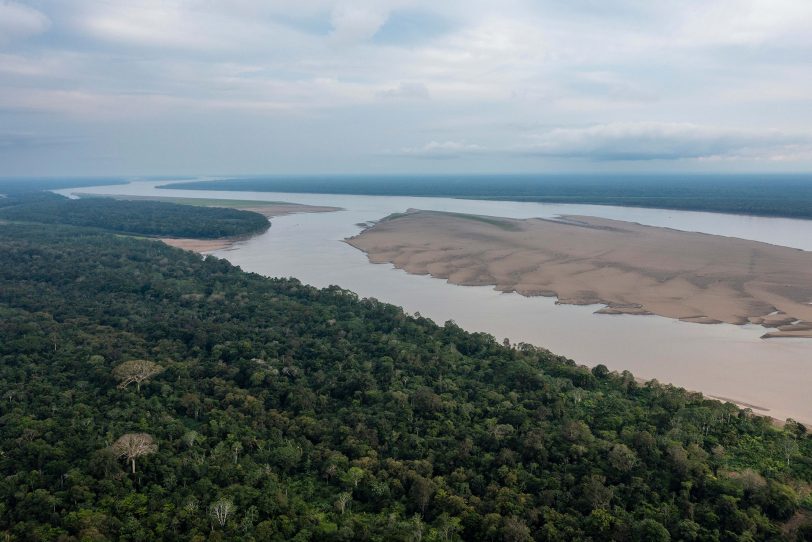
(221, 510)
(133, 446)
(137, 371)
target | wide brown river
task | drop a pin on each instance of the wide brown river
(725, 361)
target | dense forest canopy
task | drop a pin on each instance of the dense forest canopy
(765, 195)
(153, 218)
(269, 410)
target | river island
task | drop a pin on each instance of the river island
(627, 267)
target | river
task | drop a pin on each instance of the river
(725, 361)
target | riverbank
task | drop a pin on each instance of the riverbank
(629, 268)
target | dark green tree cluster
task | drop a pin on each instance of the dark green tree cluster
(153, 218)
(270, 410)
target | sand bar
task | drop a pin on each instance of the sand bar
(267, 208)
(629, 268)
(270, 209)
(198, 245)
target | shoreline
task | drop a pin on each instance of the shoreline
(762, 411)
(725, 393)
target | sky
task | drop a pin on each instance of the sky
(213, 87)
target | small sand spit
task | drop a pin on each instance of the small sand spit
(270, 210)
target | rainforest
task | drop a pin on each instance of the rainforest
(149, 393)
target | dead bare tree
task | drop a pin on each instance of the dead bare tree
(133, 446)
(221, 510)
(343, 500)
(790, 448)
(135, 370)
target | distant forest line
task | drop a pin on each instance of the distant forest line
(150, 218)
(774, 195)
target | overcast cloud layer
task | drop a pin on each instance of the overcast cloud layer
(148, 87)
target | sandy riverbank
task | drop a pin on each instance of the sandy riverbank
(269, 209)
(272, 210)
(198, 245)
(630, 268)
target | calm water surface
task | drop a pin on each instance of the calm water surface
(720, 360)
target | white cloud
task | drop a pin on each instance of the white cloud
(634, 142)
(155, 24)
(662, 141)
(352, 23)
(440, 150)
(406, 91)
(613, 86)
(750, 22)
(19, 21)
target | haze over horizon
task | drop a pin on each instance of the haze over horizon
(403, 86)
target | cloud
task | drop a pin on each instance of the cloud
(609, 80)
(612, 86)
(661, 141)
(406, 91)
(19, 21)
(155, 24)
(755, 22)
(635, 142)
(440, 150)
(12, 142)
(352, 23)
(409, 27)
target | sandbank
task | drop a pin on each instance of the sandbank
(628, 267)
